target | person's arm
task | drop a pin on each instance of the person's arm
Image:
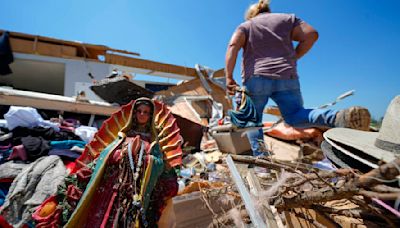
(236, 43)
(306, 36)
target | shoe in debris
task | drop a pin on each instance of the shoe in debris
(355, 117)
(261, 172)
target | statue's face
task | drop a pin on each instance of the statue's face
(143, 114)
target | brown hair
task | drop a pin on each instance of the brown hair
(261, 7)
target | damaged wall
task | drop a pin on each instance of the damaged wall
(194, 87)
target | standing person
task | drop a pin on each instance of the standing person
(269, 70)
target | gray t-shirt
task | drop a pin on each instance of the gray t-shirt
(269, 50)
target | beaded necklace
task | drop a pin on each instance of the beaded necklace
(136, 170)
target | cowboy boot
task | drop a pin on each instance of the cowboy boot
(355, 117)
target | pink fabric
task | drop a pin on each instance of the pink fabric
(70, 129)
(5, 147)
(109, 208)
(383, 204)
(18, 152)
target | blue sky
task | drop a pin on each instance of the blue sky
(357, 49)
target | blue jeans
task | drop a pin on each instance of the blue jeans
(286, 94)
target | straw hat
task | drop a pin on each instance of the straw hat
(383, 145)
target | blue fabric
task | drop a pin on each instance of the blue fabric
(65, 154)
(246, 116)
(4, 187)
(286, 94)
(4, 154)
(6, 55)
(67, 144)
(155, 172)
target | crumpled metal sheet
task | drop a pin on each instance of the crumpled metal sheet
(119, 90)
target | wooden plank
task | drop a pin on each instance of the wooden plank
(219, 73)
(23, 46)
(41, 48)
(182, 109)
(55, 50)
(294, 221)
(92, 47)
(194, 87)
(271, 214)
(54, 102)
(203, 108)
(48, 49)
(68, 51)
(63, 48)
(191, 212)
(150, 65)
(255, 216)
(282, 150)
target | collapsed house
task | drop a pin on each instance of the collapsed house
(300, 188)
(71, 66)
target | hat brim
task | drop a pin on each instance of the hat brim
(362, 141)
(342, 160)
(328, 150)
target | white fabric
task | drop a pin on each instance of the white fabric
(325, 164)
(85, 132)
(217, 113)
(26, 117)
(3, 123)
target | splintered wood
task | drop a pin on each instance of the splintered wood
(343, 197)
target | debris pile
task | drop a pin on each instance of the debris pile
(217, 182)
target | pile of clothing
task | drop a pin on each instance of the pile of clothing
(35, 157)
